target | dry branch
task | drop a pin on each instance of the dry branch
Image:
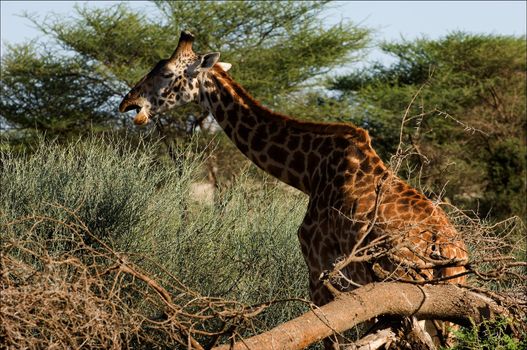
(439, 302)
(63, 292)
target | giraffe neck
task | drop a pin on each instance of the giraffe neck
(254, 134)
(286, 148)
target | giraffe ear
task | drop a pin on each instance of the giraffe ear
(224, 65)
(203, 63)
(208, 60)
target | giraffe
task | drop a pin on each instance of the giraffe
(354, 198)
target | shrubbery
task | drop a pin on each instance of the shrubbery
(243, 248)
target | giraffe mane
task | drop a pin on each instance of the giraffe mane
(322, 128)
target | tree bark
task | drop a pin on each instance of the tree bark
(439, 302)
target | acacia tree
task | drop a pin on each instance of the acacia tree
(276, 48)
(45, 94)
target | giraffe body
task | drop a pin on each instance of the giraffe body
(353, 196)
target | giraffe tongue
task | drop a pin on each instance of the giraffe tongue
(141, 118)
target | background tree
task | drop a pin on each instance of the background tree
(276, 48)
(43, 93)
(467, 121)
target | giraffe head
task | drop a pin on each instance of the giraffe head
(172, 82)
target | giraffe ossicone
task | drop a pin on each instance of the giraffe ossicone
(356, 203)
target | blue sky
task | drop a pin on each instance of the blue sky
(391, 20)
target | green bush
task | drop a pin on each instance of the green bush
(242, 247)
(489, 335)
(112, 188)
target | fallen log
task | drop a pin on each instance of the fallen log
(444, 302)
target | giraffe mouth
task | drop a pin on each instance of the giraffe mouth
(141, 117)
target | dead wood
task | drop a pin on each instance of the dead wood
(438, 302)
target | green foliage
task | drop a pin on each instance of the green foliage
(463, 98)
(275, 48)
(108, 186)
(120, 40)
(506, 169)
(143, 206)
(489, 335)
(49, 94)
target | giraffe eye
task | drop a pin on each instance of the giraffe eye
(168, 75)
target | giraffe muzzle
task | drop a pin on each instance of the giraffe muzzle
(141, 118)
